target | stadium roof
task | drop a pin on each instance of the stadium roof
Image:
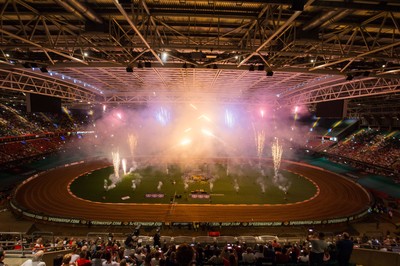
(244, 52)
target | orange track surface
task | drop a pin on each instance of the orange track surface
(48, 194)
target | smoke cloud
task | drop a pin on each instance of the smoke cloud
(187, 132)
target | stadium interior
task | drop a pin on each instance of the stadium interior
(221, 86)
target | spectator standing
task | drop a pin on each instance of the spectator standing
(303, 258)
(231, 261)
(248, 257)
(97, 261)
(155, 261)
(74, 253)
(66, 259)
(140, 256)
(217, 258)
(108, 260)
(185, 255)
(157, 238)
(83, 259)
(318, 247)
(344, 248)
(38, 245)
(259, 254)
(171, 259)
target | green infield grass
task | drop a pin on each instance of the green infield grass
(243, 184)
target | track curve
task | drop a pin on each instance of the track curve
(48, 194)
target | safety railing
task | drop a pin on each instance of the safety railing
(15, 244)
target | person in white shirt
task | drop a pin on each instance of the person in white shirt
(259, 254)
(74, 254)
(303, 256)
(36, 260)
(155, 261)
(248, 256)
(318, 247)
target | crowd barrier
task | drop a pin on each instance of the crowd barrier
(370, 257)
(18, 246)
(48, 258)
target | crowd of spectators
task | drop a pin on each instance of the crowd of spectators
(27, 136)
(131, 251)
(16, 122)
(371, 147)
(30, 149)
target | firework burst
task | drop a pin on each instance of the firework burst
(276, 155)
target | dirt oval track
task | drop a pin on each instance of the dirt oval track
(48, 194)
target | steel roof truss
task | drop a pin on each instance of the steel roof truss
(27, 83)
(347, 90)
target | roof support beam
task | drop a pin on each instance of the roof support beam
(146, 8)
(177, 32)
(86, 11)
(228, 33)
(345, 90)
(41, 47)
(254, 23)
(127, 18)
(357, 56)
(282, 29)
(28, 82)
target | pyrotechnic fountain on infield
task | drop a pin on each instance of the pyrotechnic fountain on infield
(202, 182)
